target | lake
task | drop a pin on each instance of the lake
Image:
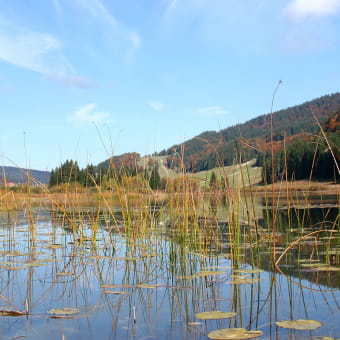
(87, 274)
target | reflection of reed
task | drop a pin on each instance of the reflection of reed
(162, 272)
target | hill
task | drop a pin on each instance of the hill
(19, 175)
(245, 141)
(250, 144)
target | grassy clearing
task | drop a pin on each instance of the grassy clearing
(234, 174)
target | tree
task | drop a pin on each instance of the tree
(213, 181)
(155, 179)
(68, 172)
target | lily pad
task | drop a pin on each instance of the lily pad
(215, 315)
(115, 292)
(5, 312)
(210, 273)
(240, 281)
(63, 311)
(116, 286)
(147, 286)
(326, 269)
(248, 271)
(301, 324)
(234, 333)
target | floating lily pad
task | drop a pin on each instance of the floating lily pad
(12, 268)
(326, 269)
(127, 258)
(241, 277)
(189, 277)
(248, 271)
(65, 274)
(108, 285)
(301, 324)
(5, 312)
(115, 292)
(146, 286)
(63, 311)
(234, 333)
(55, 246)
(210, 273)
(240, 281)
(214, 315)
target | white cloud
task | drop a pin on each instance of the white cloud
(156, 105)
(87, 114)
(38, 52)
(305, 8)
(212, 111)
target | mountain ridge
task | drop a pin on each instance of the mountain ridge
(212, 148)
(11, 174)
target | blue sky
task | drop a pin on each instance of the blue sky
(85, 79)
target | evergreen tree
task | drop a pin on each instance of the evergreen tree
(155, 179)
(213, 180)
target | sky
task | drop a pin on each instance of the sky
(88, 79)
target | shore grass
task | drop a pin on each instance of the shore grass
(13, 200)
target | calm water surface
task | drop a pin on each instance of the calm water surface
(151, 287)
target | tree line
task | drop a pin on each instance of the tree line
(315, 157)
(91, 176)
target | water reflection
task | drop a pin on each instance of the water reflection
(150, 285)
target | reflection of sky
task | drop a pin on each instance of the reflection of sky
(162, 312)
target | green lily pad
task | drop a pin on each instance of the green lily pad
(63, 311)
(215, 315)
(301, 324)
(234, 333)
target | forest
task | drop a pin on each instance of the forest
(243, 142)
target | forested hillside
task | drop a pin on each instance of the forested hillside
(314, 156)
(128, 160)
(245, 141)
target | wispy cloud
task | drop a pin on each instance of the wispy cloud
(212, 111)
(97, 10)
(36, 51)
(156, 105)
(306, 8)
(87, 114)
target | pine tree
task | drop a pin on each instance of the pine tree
(155, 179)
(213, 180)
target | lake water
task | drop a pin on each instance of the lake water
(123, 285)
